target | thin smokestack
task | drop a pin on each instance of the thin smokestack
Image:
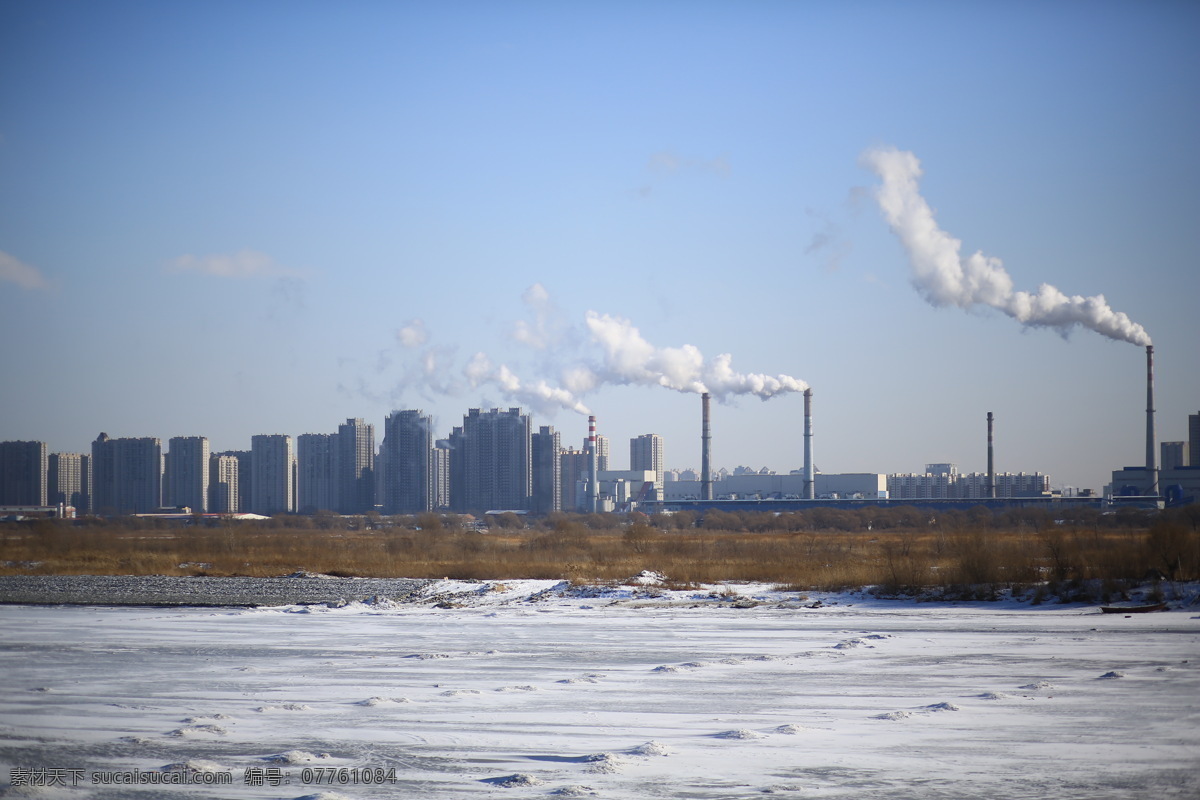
(1151, 466)
(810, 489)
(991, 484)
(706, 488)
(593, 493)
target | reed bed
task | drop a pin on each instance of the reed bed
(915, 553)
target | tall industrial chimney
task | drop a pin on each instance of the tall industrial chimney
(1151, 467)
(991, 484)
(810, 488)
(706, 488)
(593, 492)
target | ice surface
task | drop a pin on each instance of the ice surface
(525, 689)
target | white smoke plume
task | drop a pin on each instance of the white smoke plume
(538, 395)
(630, 359)
(945, 277)
(571, 364)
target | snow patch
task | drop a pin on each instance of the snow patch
(739, 733)
(284, 707)
(604, 763)
(893, 715)
(193, 765)
(199, 730)
(942, 707)
(295, 757)
(514, 781)
(383, 701)
(651, 748)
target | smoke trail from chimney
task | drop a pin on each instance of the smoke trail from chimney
(630, 360)
(945, 278)
(538, 395)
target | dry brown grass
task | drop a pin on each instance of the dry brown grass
(896, 560)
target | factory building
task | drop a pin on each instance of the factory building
(864, 485)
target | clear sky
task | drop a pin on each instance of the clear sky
(230, 218)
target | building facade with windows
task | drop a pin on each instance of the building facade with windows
(272, 465)
(23, 473)
(187, 473)
(407, 463)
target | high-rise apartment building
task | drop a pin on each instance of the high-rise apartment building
(545, 447)
(646, 455)
(441, 474)
(187, 473)
(491, 460)
(69, 481)
(1194, 440)
(1172, 455)
(573, 471)
(603, 451)
(355, 466)
(23, 468)
(223, 484)
(316, 466)
(127, 475)
(407, 463)
(272, 465)
(245, 477)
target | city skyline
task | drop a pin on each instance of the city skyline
(231, 220)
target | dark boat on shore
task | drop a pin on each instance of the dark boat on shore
(1133, 609)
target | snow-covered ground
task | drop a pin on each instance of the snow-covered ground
(532, 689)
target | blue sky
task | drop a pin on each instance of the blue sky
(230, 218)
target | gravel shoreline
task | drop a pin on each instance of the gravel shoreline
(162, 590)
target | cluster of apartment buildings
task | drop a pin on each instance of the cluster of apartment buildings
(494, 460)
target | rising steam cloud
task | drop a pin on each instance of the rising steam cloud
(945, 278)
(612, 352)
(630, 359)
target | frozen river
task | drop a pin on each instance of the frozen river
(575, 696)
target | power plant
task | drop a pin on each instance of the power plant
(593, 487)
